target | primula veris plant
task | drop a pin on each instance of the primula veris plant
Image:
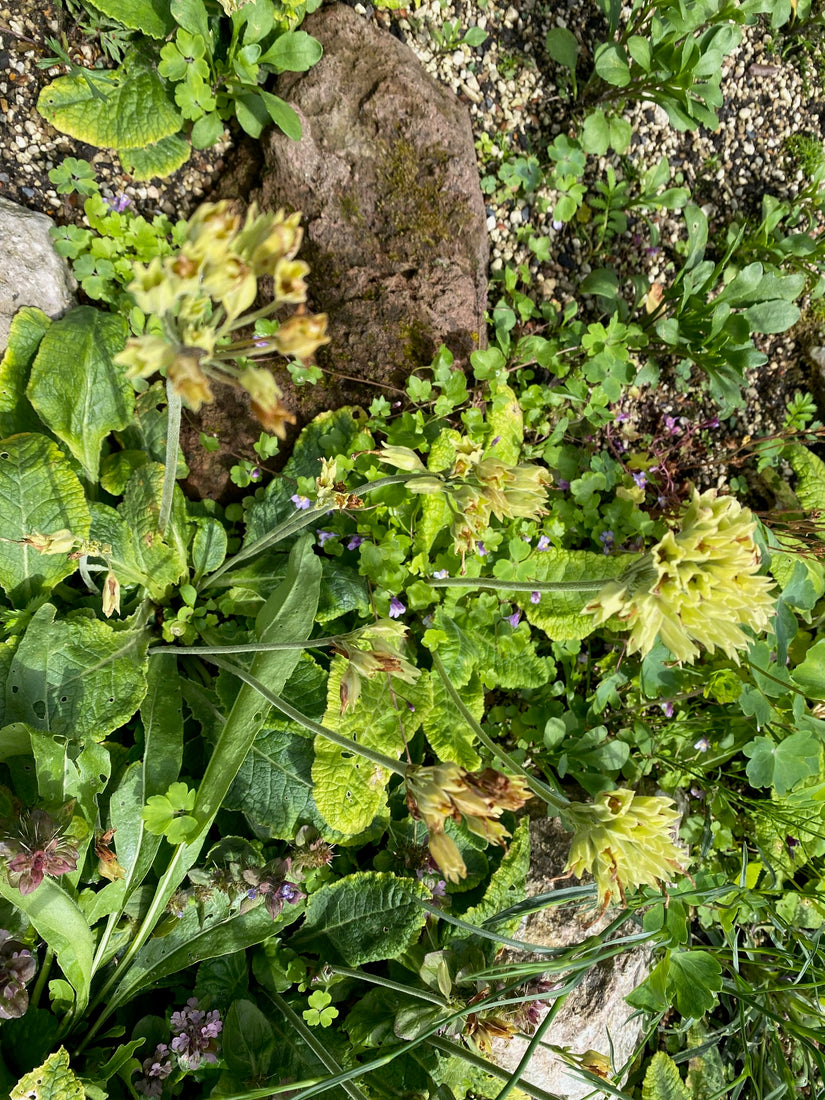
(697, 587)
(201, 295)
(476, 487)
(624, 840)
(443, 791)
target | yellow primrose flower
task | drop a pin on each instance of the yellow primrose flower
(145, 355)
(301, 335)
(266, 400)
(188, 379)
(444, 791)
(697, 587)
(623, 840)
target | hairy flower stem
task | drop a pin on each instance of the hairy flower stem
(45, 970)
(314, 727)
(173, 411)
(297, 523)
(551, 797)
(248, 647)
(514, 586)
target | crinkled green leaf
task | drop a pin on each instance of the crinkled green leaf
(39, 494)
(132, 109)
(558, 614)
(810, 471)
(447, 732)
(435, 515)
(363, 918)
(663, 1080)
(54, 1080)
(64, 774)
(158, 159)
(505, 424)
(76, 388)
(150, 17)
(782, 764)
(140, 509)
(28, 328)
(144, 560)
(76, 677)
(343, 589)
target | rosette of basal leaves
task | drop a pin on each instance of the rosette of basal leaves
(200, 295)
(698, 586)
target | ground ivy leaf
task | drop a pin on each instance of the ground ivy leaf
(39, 493)
(77, 677)
(76, 389)
(28, 327)
(363, 918)
(784, 764)
(161, 158)
(54, 1080)
(126, 108)
(694, 978)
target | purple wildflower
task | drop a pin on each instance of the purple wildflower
(118, 203)
(270, 882)
(397, 608)
(640, 479)
(494, 441)
(792, 842)
(535, 597)
(514, 619)
(17, 967)
(672, 425)
(481, 549)
(196, 1032)
(156, 1068)
(557, 225)
(697, 792)
(622, 416)
(355, 542)
(261, 342)
(256, 474)
(702, 744)
(606, 539)
(441, 573)
(563, 483)
(543, 543)
(300, 502)
(324, 536)
(667, 707)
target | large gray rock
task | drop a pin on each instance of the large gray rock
(386, 177)
(32, 274)
(595, 1013)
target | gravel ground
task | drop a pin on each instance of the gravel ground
(511, 89)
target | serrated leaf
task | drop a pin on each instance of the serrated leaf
(78, 677)
(810, 470)
(77, 390)
(505, 423)
(364, 917)
(784, 764)
(349, 790)
(135, 110)
(158, 159)
(54, 1080)
(663, 1080)
(39, 493)
(558, 614)
(140, 510)
(150, 17)
(445, 728)
(343, 589)
(693, 980)
(28, 328)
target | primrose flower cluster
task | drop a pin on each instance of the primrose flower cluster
(375, 648)
(476, 487)
(444, 791)
(201, 295)
(697, 587)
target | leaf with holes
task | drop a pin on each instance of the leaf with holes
(363, 918)
(126, 108)
(54, 1080)
(558, 614)
(75, 387)
(76, 677)
(39, 494)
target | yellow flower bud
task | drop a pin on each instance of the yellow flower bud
(61, 542)
(189, 380)
(403, 459)
(266, 400)
(111, 595)
(301, 335)
(444, 851)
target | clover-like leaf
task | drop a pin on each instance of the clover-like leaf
(167, 814)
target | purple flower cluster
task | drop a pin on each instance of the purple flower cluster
(270, 882)
(194, 1041)
(17, 967)
(36, 848)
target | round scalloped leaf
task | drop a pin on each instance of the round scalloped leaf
(150, 17)
(39, 494)
(54, 1080)
(159, 159)
(123, 109)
